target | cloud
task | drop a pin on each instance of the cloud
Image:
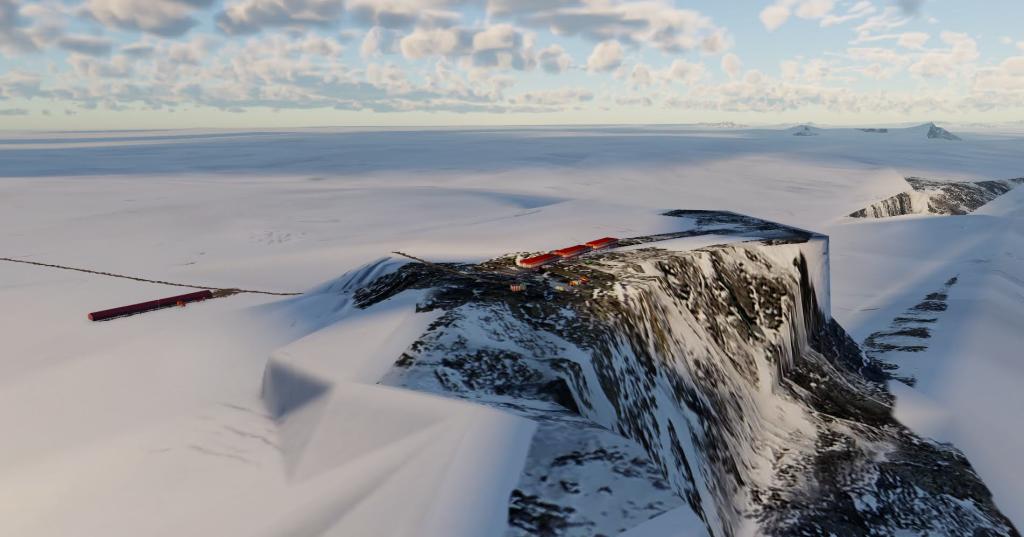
(252, 16)
(775, 15)
(910, 7)
(138, 50)
(167, 18)
(857, 11)
(888, 20)
(814, 9)
(641, 75)
(434, 42)
(607, 56)
(1004, 80)
(503, 46)
(14, 37)
(378, 41)
(497, 37)
(403, 14)
(554, 98)
(13, 112)
(913, 40)
(731, 65)
(93, 68)
(86, 44)
(20, 84)
(554, 59)
(684, 71)
(947, 63)
(654, 23)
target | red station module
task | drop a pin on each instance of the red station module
(537, 260)
(602, 243)
(169, 302)
(571, 251)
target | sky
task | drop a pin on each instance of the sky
(139, 64)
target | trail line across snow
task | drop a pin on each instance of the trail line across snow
(146, 280)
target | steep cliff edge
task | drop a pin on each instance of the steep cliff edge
(702, 367)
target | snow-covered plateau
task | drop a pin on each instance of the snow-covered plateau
(804, 331)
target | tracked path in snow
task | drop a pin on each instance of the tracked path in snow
(231, 290)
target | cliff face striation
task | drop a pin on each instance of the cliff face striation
(700, 368)
(937, 197)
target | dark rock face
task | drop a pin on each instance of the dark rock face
(908, 333)
(713, 377)
(875, 131)
(804, 130)
(936, 132)
(937, 197)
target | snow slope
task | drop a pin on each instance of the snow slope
(156, 424)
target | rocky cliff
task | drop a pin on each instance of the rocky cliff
(937, 197)
(697, 368)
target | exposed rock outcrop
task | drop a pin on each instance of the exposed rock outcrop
(938, 133)
(938, 197)
(713, 376)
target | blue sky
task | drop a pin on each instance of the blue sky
(250, 63)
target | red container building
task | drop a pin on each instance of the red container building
(537, 260)
(150, 306)
(602, 243)
(571, 251)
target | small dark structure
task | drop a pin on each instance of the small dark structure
(143, 307)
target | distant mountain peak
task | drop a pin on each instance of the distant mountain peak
(937, 132)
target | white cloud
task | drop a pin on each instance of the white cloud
(555, 98)
(947, 63)
(401, 14)
(686, 72)
(14, 84)
(641, 75)
(913, 40)
(653, 23)
(607, 56)
(497, 37)
(789, 70)
(251, 16)
(168, 18)
(888, 20)
(814, 9)
(731, 65)
(1004, 80)
(119, 66)
(434, 42)
(86, 44)
(857, 11)
(378, 41)
(775, 15)
(753, 77)
(554, 59)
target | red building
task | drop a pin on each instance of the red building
(537, 260)
(602, 243)
(571, 251)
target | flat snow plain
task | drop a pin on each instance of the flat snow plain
(154, 424)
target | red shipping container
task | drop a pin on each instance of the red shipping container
(150, 306)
